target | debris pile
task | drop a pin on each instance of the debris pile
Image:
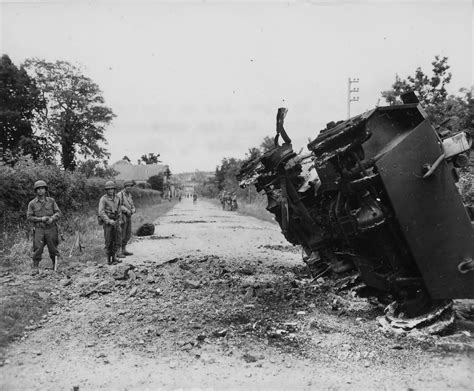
(186, 303)
(146, 229)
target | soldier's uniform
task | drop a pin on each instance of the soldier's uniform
(127, 208)
(45, 232)
(110, 214)
(233, 202)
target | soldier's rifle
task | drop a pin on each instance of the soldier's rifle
(77, 242)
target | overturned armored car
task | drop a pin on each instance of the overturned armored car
(377, 191)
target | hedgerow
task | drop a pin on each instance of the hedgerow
(72, 191)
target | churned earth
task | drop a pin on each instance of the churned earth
(219, 301)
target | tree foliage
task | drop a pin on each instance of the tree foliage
(75, 116)
(156, 182)
(267, 144)
(96, 168)
(431, 89)
(207, 188)
(253, 153)
(19, 100)
(225, 174)
(433, 95)
(151, 158)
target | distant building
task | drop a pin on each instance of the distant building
(137, 172)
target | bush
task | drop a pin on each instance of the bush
(73, 192)
(156, 182)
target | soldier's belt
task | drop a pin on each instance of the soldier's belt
(44, 225)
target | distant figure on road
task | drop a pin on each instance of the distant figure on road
(195, 197)
(222, 199)
(110, 216)
(43, 212)
(227, 201)
(233, 202)
(128, 209)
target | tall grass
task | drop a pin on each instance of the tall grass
(256, 208)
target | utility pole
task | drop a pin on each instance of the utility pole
(350, 90)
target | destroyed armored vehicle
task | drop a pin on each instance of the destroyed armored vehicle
(377, 191)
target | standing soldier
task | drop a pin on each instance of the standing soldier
(128, 209)
(233, 202)
(110, 216)
(43, 212)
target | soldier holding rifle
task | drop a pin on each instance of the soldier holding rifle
(44, 213)
(128, 209)
(110, 215)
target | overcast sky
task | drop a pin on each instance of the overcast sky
(199, 81)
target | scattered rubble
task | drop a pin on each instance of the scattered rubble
(120, 271)
(192, 284)
(65, 282)
(133, 291)
(188, 302)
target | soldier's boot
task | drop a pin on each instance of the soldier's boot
(54, 262)
(125, 252)
(115, 260)
(120, 254)
(109, 259)
(35, 268)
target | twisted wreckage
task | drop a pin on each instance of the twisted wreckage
(377, 192)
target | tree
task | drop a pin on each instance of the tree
(226, 174)
(151, 158)
(207, 188)
(267, 144)
(156, 182)
(75, 116)
(253, 153)
(433, 95)
(168, 173)
(431, 90)
(126, 158)
(96, 168)
(19, 99)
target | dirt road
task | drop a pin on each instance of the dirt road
(218, 301)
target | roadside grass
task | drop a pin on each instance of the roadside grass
(25, 299)
(256, 208)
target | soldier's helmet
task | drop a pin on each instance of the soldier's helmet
(109, 185)
(129, 183)
(39, 184)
